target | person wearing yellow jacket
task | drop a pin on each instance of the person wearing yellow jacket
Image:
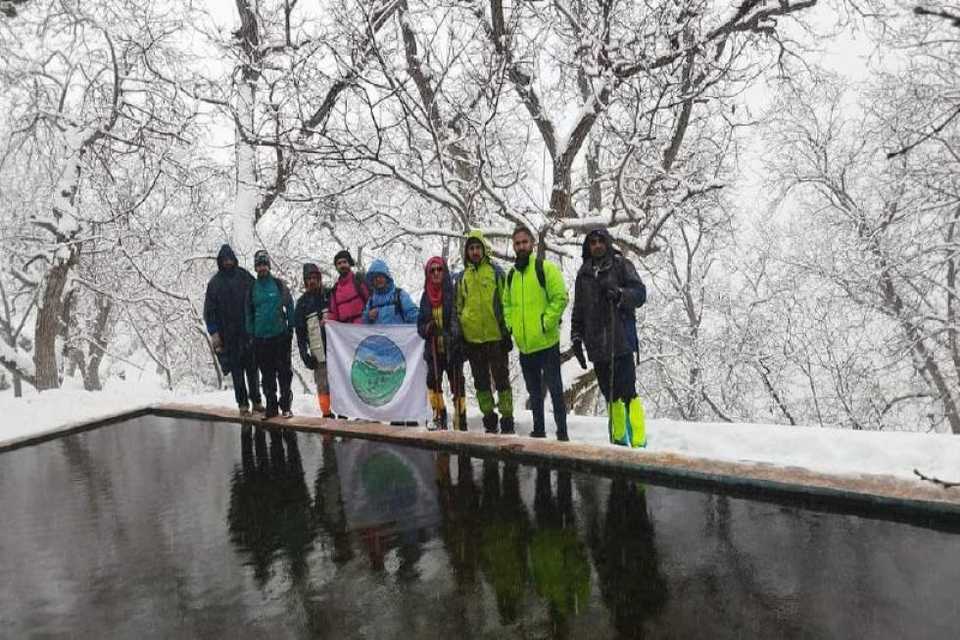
(533, 303)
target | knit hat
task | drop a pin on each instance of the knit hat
(261, 257)
(343, 253)
(310, 269)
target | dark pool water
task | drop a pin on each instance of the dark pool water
(163, 528)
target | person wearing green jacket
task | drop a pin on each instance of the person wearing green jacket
(478, 299)
(269, 319)
(533, 303)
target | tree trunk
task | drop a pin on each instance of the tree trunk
(47, 326)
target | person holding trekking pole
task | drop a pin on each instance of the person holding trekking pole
(606, 295)
(438, 325)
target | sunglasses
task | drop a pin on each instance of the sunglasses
(436, 269)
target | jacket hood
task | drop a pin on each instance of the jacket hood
(226, 252)
(379, 266)
(600, 231)
(476, 234)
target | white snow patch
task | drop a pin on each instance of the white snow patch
(818, 449)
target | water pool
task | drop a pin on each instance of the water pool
(162, 527)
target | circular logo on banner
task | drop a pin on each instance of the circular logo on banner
(378, 370)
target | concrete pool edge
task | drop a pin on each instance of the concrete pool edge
(883, 496)
(873, 492)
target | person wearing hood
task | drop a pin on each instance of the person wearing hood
(486, 339)
(223, 312)
(439, 326)
(311, 339)
(388, 303)
(349, 294)
(533, 303)
(270, 321)
(606, 295)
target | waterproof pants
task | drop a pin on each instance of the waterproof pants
(542, 368)
(246, 382)
(489, 359)
(273, 359)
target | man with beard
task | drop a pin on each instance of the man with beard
(311, 338)
(349, 294)
(533, 303)
(223, 312)
(606, 295)
(487, 343)
(270, 320)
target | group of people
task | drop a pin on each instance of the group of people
(475, 316)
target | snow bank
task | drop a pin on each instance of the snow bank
(824, 450)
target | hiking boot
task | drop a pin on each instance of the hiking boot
(538, 433)
(329, 416)
(562, 436)
(461, 422)
(270, 412)
(439, 422)
(287, 413)
(244, 410)
(490, 423)
(506, 425)
(258, 407)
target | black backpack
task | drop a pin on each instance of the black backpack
(538, 267)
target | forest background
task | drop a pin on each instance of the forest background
(784, 175)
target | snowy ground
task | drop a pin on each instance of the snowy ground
(825, 450)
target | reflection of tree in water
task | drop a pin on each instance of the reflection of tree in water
(561, 568)
(270, 510)
(625, 556)
(503, 538)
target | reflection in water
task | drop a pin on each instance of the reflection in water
(270, 508)
(625, 557)
(505, 528)
(561, 569)
(168, 529)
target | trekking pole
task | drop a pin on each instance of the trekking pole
(436, 376)
(613, 349)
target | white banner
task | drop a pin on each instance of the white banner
(377, 372)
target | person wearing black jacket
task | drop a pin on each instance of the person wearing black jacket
(606, 295)
(437, 323)
(308, 319)
(224, 313)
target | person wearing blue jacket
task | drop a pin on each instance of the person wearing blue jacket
(388, 303)
(270, 320)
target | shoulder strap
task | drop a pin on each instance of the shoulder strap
(541, 276)
(510, 276)
(397, 305)
(358, 285)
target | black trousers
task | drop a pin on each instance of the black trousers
(542, 368)
(444, 364)
(246, 382)
(273, 360)
(624, 378)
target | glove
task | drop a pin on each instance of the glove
(578, 352)
(506, 343)
(217, 342)
(612, 293)
(308, 360)
(454, 349)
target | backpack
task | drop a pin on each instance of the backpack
(538, 267)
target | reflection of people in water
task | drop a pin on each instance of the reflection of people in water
(328, 504)
(625, 557)
(503, 538)
(269, 504)
(561, 568)
(460, 525)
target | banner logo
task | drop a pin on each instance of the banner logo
(378, 370)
